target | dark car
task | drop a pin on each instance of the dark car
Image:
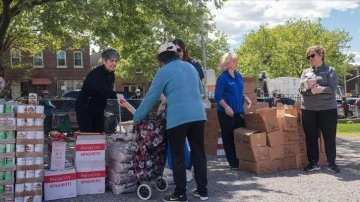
(283, 100)
(72, 94)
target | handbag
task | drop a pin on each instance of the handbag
(187, 152)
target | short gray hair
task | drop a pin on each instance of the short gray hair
(109, 53)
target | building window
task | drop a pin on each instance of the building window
(78, 60)
(64, 86)
(15, 57)
(61, 59)
(38, 60)
(132, 88)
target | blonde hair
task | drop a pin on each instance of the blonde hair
(318, 49)
(224, 60)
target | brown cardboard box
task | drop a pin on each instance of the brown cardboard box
(277, 165)
(259, 167)
(321, 145)
(300, 147)
(290, 163)
(276, 152)
(211, 114)
(253, 154)
(249, 84)
(289, 150)
(275, 138)
(301, 160)
(261, 105)
(289, 137)
(300, 134)
(280, 111)
(322, 159)
(288, 122)
(252, 108)
(252, 97)
(264, 121)
(249, 138)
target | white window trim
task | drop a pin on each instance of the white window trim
(57, 64)
(11, 56)
(42, 61)
(82, 60)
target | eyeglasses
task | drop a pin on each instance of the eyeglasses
(310, 56)
(178, 50)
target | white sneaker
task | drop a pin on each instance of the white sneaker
(189, 175)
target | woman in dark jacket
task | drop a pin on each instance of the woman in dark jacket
(97, 88)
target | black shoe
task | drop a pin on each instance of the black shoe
(312, 167)
(173, 197)
(202, 196)
(333, 168)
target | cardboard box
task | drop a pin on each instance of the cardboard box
(249, 84)
(275, 138)
(300, 147)
(265, 122)
(287, 123)
(289, 150)
(59, 184)
(322, 159)
(56, 155)
(289, 137)
(90, 177)
(259, 167)
(290, 163)
(276, 152)
(212, 125)
(90, 147)
(211, 114)
(249, 138)
(277, 165)
(253, 98)
(251, 109)
(300, 133)
(321, 145)
(253, 154)
(301, 160)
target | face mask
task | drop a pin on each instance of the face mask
(137, 94)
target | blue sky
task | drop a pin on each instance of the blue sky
(238, 17)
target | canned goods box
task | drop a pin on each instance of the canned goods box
(7, 177)
(30, 115)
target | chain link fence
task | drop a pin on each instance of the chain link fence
(63, 118)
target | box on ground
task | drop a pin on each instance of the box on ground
(90, 177)
(56, 155)
(275, 138)
(253, 154)
(259, 167)
(276, 152)
(59, 184)
(264, 120)
(249, 138)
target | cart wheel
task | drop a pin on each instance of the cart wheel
(144, 192)
(161, 184)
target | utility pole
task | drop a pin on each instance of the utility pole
(203, 49)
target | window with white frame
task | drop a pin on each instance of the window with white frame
(15, 57)
(38, 60)
(61, 59)
(78, 59)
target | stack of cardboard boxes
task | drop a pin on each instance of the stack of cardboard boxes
(272, 141)
(29, 151)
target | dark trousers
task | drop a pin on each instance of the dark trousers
(326, 122)
(194, 131)
(228, 125)
(90, 122)
(48, 124)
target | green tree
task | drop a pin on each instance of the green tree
(134, 27)
(280, 51)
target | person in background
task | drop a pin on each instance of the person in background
(357, 104)
(319, 108)
(97, 88)
(179, 82)
(185, 56)
(345, 107)
(230, 98)
(48, 111)
(137, 94)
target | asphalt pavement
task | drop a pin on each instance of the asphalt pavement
(290, 185)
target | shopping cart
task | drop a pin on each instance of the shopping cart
(149, 159)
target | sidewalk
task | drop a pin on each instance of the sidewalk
(291, 185)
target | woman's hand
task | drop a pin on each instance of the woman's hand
(248, 101)
(229, 111)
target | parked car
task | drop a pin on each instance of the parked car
(72, 94)
(283, 100)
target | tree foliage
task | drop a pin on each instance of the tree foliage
(280, 51)
(135, 28)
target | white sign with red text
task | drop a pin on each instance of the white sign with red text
(56, 155)
(90, 177)
(59, 184)
(90, 148)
